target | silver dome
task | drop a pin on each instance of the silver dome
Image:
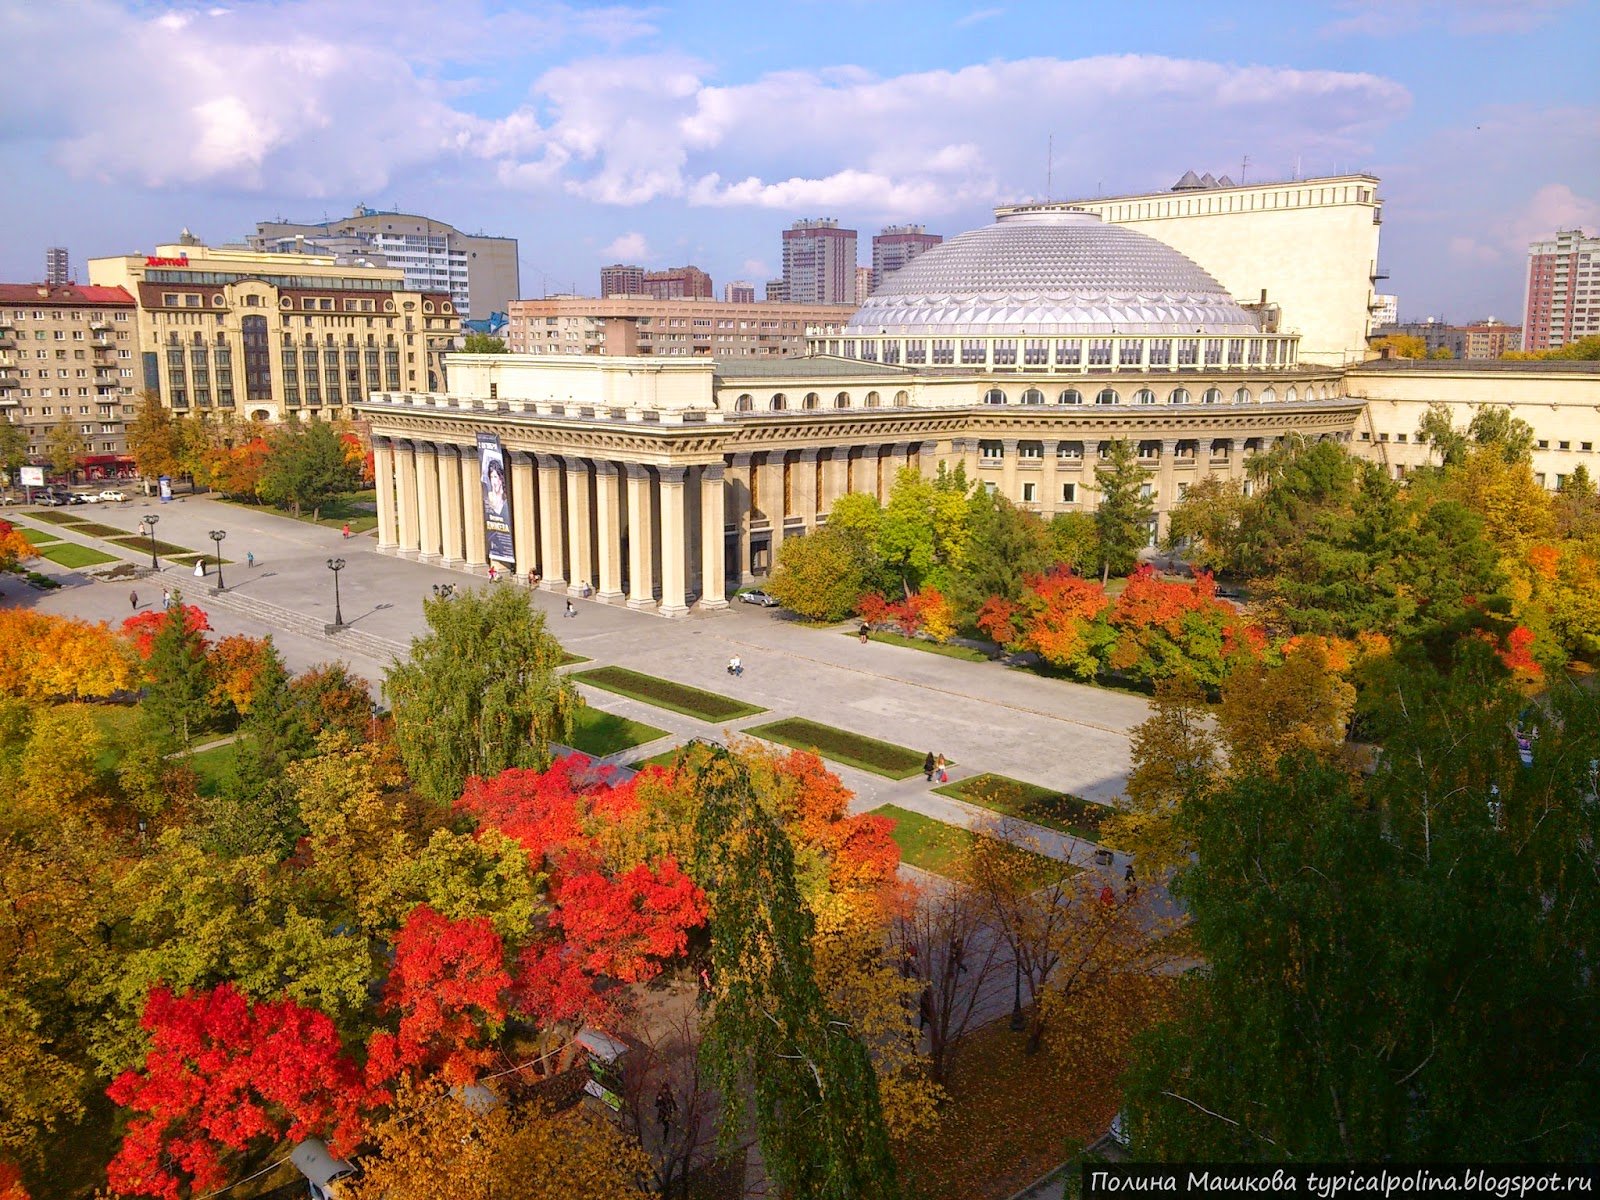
(1050, 271)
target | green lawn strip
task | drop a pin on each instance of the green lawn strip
(56, 517)
(667, 758)
(938, 847)
(70, 554)
(39, 536)
(335, 514)
(568, 659)
(95, 529)
(1061, 811)
(134, 542)
(842, 746)
(189, 558)
(663, 693)
(948, 649)
(598, 733)
(212, 766)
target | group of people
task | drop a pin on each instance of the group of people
(933, 765)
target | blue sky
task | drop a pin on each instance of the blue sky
(695, 132)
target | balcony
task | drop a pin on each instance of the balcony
(7, 342)
(100, 343)
(100, 326)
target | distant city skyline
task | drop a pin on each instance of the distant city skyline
(644, 134)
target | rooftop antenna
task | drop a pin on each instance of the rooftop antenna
(1049, 168)
(1243, 164)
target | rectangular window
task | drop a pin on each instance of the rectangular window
(1069, 353)
(1033, 450)
(1099, 352)
(1005, 352)
(944, 351)
(1030, 493)
(1129, 353)
(1069, 493)
(972, 351)
(991, 450)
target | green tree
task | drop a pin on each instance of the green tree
(1360, 936)
(1577, 505)
(479, 692)
(1075, 542)
(65, 447)
(817, 1111)
(13, 448)
(256, 812)
(1493, 426)
(1004, 544)
(483, 343)
(823, 575)
(1205, 524)
(1438, 430)
(1122, 518)
(177, 699)
(154, 439)
(307, 466)
(922, 531)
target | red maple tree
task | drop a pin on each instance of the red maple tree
(547, 812)
(222, 1073)
(142, 628)
(448, 984)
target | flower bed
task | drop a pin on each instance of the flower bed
(1060, 811)
(842, 746)
(663, 693)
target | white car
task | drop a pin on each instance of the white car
(112, 494)
(91, 497)
(757, 596)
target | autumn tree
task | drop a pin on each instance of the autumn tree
(1125, 511)
(1059, 618)
(438, 1146)
(483, 343)
(947, 950)
(222, 1075)
(1206, 522)
(1074, 542)
(479, 692)
(1268, 712)
(64, 448)
(821, 576)
(178, 692)
(13, 449)
(770, 1031)
(1401, 345)
(306, 467)
(154, 439)
(331, 697)
(237, 664)
(14, 547)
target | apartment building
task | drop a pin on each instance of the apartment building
(633, 325)
(1562, 303)
(479, 273)
(67, 353)
(819, 263)
(897, 245)
(265, 336)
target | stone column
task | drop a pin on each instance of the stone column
(552, 560)
(883, 463)
(739, 516)
(384, 482)
(432, 547)
(580, 528)
(1166, 483)
(523, 528)
(1049, 486)
(1236, 459)
(450, 505)
(835, 477)
(1089, 488)
(472, 511)
(608, 528)
(406, 463)
(713, 544)
(674, 548)
(1008, 470)
(803, 487)
(774, 505)
(641, 538)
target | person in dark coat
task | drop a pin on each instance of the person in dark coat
(928, 765)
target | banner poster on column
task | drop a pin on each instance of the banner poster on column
(496, 499)
(166, 488)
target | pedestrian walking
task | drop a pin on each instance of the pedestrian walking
(958, 956)
(133, 599)
(735, 665)
(939, 769)
(166, 599)
(491, 572)
(666, 1107)
(345, 532)
(571, 612)
(928, 765)
(250, 558)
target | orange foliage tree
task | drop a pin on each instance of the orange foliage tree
(142, 628)
(14, 547)
(1164, 628)
(47, 657)
(236, 664)
(236, 470)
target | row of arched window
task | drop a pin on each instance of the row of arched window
(1146, 396)
(779, 402)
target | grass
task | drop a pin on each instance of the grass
(939, 847)
(70, 554)
(663, 693)
(948, 649)
(842, 746)
(95, 529)
(1061, 811)
(134, 542)
(39, 537)
(212, 767)
(56, 517)
(358, 509)
(598, 733)
(568, 659)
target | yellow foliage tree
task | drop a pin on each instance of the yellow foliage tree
(58, 767)
(436, 1146)
(46, 657)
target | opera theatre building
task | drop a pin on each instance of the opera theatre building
(1021, 350)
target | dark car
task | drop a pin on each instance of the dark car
(49, 499)
(76, 498)
(757, 596)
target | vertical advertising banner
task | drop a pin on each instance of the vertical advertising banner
(496, 499)
(166, 488)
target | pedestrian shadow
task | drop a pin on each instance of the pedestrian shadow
(373, 611)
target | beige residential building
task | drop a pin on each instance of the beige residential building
(637, 326)
(67, 353)
(1309, 247)
(249, 335)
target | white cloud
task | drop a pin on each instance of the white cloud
(977, 16)
(1387, 18)
(629, 248)
(1554, 206)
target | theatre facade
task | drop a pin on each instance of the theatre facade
(1021, 351)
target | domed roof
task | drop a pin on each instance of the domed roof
(1050, 271)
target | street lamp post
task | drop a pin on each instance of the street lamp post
(1017, 1023)
(216, 536)
(336, 565)
(150, 528)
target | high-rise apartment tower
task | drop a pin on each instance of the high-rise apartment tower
(819, 263)
(1563, 297)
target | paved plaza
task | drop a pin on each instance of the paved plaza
(982, 716)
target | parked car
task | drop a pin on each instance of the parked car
(113, 494)
(757, 596)
(87, 498)
(75, 498)
(48, 499)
